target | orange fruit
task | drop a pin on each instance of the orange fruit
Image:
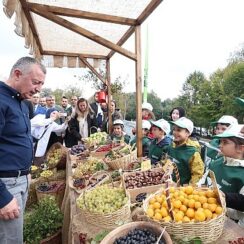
(165, 204)
(200, 216)
(157, 205)
(157, 210)
(190, 213)
(157, 216)
(183, 208)
(167, 219)
(177, 204)
(212, 207)
(190, 196)
(212, 200)
(205, 205)
(178, 216)
(171, 189)
(208, 213)
(189, 190)
(186, 219)
(152, 200)
(203, 199)
(214, 216)
(201, 193)
(151, 206)
(200, 209)
(198, 205)
(210, 193)
(164, 212)
(159, 199)
(185, 202)
(181, 198)
(196, 197)
(218, 210)
(191, 203)
(150, 212)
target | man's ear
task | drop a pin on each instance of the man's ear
(17, 73)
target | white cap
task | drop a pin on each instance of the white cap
(147, 106)
(162, 124)
(118, 122)
(185, 123)
(233, 131)
(227, 119)
(146, 124)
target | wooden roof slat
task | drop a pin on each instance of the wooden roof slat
(85, 14)
(31, 23)
(75, 28)
(57, 53)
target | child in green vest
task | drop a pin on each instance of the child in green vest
(118, 134)
(160, 130)
(220, 126)
(185, 153)
(229, 170)
(146, 141)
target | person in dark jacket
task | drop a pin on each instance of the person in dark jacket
(83, 123)
(161, 141)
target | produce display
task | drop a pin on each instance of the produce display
(143, 178)
(189, 205)
(77, 149)
(96, 179)
(98, 138)
(54, 157)
(90, 166)
(138, 236)
(103, 199)
(119, 152)
(46, 173)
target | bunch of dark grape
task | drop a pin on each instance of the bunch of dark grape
(79, 183)
(82, 238)
(77, 149)
(47, 187)
(138, 236)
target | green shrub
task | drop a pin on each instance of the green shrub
(43, 221)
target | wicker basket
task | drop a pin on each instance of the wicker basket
(208, 231)
(123, 162)
(125, 229)
(54, 239)
(107, 221)
(61, 163)
(58, 193)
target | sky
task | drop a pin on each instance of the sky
(184, 36)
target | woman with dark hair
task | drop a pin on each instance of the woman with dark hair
(83, 123)
(177, 113)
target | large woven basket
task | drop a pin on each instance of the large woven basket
(208, 231)
(61, 162)
(123, 162)
(107, 221)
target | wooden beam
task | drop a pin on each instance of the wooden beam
(85, 14)
(77, 29)
(31, 24)
(138, 91)
(148, 10)
(92, 69)
(110, 122)
(57, 53)
(124, 38)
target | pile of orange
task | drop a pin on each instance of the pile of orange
(188, 204)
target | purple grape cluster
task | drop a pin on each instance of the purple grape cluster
(77, 149)
(47, 187)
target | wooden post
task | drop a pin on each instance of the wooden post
(110, 125)
(138, 91)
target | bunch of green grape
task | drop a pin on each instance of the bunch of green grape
(103, 199)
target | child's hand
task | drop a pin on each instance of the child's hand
(54, 115)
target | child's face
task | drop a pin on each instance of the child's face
(180, 134)
(230, 149)
(157, 132)
(117, 130)
(144, 132)
(145, 113)
(220, 128)
(175, 115)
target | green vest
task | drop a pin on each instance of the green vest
(211, 153)
(156, 151)
(229, 178)
(145, 144)
(125, 137)
(182, 155)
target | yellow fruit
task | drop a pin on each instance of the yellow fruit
(200, 216)
(189, 190)
(165, 204)
(176, 194)
(167, 219)
(208, 213)
(171, 189)
(182, 189)
(205, 205)
(212, 200)
(203, 199)
(178, 216)
(190, 196)
(191, 203)
(159, 199)
(157, 216)
(210, 193)
(196, 197)
(157, 210)
(150, 213)
(212, 207)
(185, 202)
(151, 206)
(190, 213)
(219, 210)
(181, 198)
(198, 205)
(152, 200)
(183, 208)
(201, 193)
(200, 209)
(214, 216)
(186, 219)
(164, 212)
(177, 204)
(156, 205)
(195, 192)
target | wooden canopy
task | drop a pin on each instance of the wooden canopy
(82, 33)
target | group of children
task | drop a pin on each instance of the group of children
(226, 154)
